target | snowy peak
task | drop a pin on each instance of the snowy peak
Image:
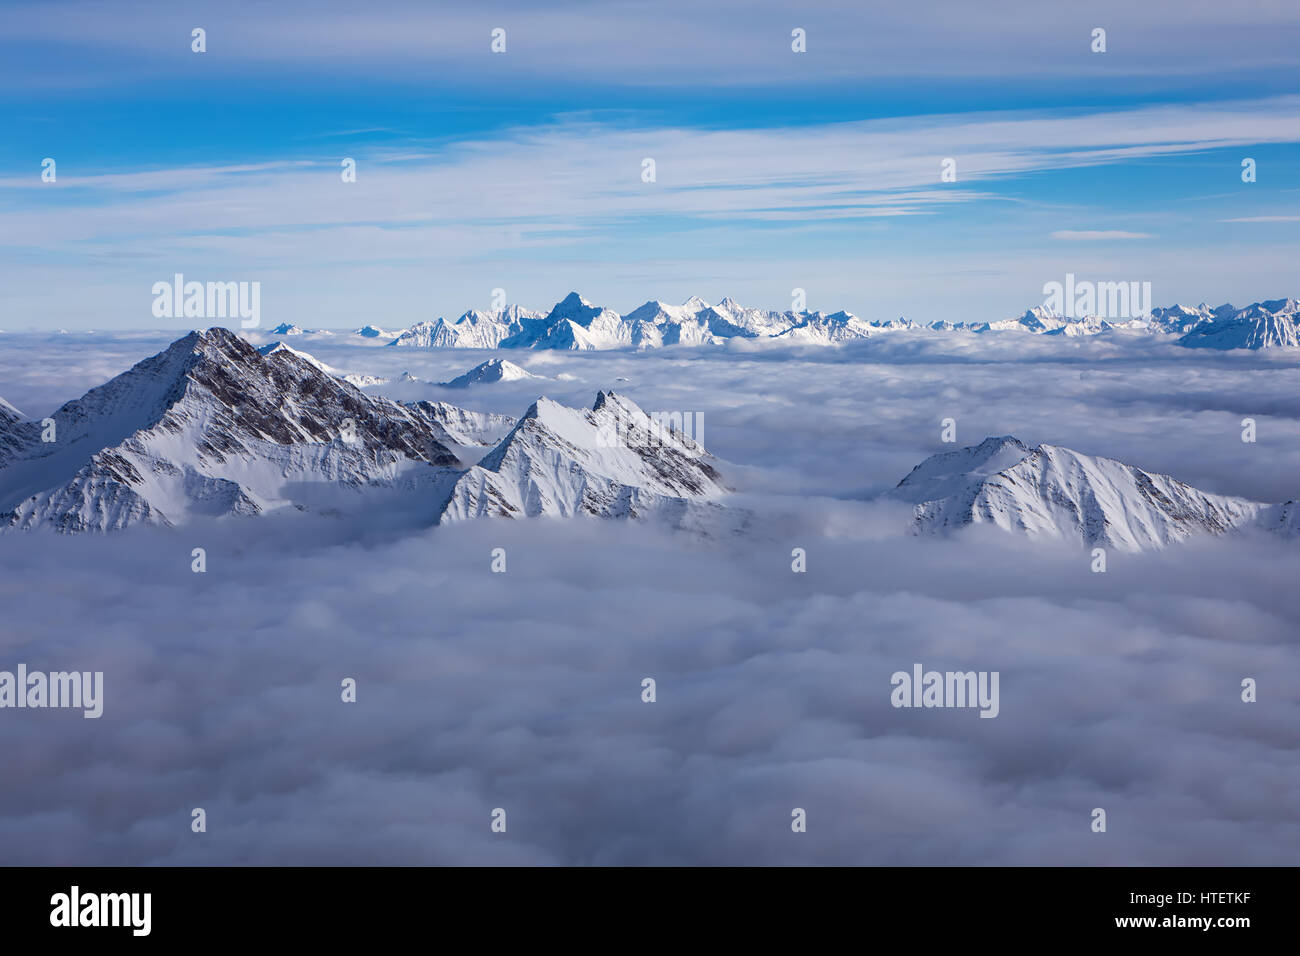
(1261, 325)
(421, 335)
(576, 324)
(578, 310)
(493, 370)
(475, 329)
(952, 472)
(1056, 493)
(613, 460)
(210, 426)
(833, 329)
(660, 313)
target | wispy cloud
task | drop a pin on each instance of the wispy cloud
(480, 212)
(663, 44)
(1263, 219)
(1098, 235)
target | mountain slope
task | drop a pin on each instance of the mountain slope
(11, 441)
(1261, 325)
(212, 427)
(1053, 492)
(374, 332)
(819, 329)
(360, 381)
(493, 370)
(611, 461)
(475, 329)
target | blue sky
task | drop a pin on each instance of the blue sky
(522, 170)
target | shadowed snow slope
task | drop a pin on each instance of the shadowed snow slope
(1263, 325)
(611, 461)
(211, 427)
(360, 381)
(1051, 492)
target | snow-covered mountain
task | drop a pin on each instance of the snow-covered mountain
(11, 441)
(287, 328)
(818, 329)
(1053, 492)
(466, 428)
(1261, 325)
(475, 329)
(576, 324)
(675, 324)
(493, 370)
(1039, 319)
(610, 461)
(899, 324)
(360, 381)
(213, 427)
(374, 332)
(729, 315)
(210, 426)
(1181, 319)
(1282, 519)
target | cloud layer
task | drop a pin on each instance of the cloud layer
(522, 690)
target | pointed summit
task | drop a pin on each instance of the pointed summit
(1056, 493)
(209, 426)
(493, 370)
(611, 461)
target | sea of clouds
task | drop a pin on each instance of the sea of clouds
(522, 690)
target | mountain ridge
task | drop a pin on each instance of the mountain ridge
(575, 324)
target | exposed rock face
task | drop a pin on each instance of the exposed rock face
(209, 426)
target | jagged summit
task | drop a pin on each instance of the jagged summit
(574, 323)
(213, 427)
(474, 329)
(610, 461)
(1261, 325)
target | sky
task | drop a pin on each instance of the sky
(523, 170)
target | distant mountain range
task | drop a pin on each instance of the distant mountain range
(213, 427)
(576, 324)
